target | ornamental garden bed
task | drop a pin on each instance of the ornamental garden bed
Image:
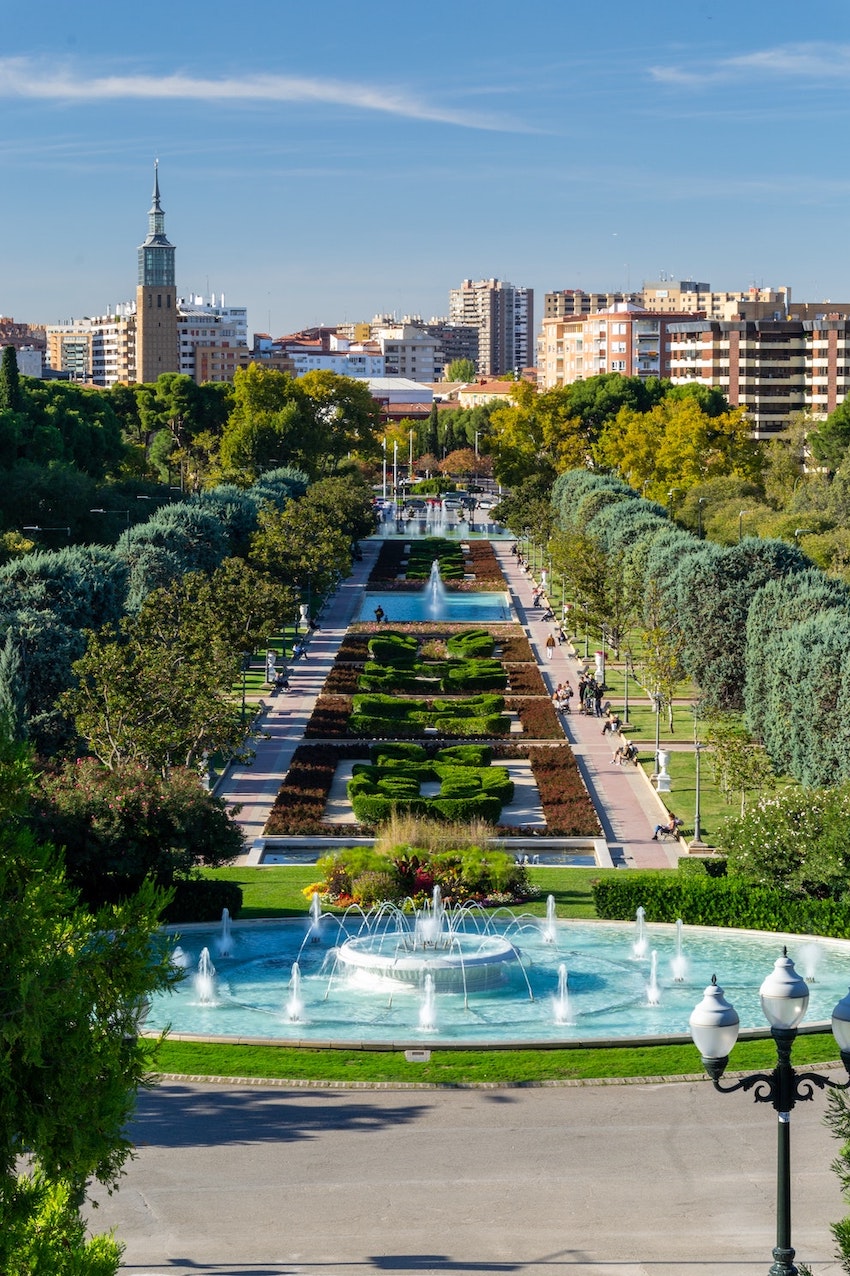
(301, 801)
(398, 776)
(406, 565)
(337, 717)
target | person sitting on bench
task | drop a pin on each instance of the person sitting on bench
(672, 827)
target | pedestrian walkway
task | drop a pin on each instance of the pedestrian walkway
(628, 807)
(254, 785)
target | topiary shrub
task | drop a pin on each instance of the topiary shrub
(464, 754)
(386, 754)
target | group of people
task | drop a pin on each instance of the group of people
(561, 697)
(591, 694)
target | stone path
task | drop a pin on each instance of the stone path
(627, 805)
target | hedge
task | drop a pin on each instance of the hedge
(701, 900)
(202, 899)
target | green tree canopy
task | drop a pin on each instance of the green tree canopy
(72, 983)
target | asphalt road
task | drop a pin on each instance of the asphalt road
(619, 1180)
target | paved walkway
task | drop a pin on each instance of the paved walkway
(628, 807)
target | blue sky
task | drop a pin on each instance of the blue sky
(321, 162)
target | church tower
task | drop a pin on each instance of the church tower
(157, 339)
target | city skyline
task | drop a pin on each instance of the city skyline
(323, 169)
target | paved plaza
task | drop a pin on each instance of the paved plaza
(595, 1180)
(636, 1179)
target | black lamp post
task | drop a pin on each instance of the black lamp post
(714, 1028)
(246, 662)
(625, 721)
(586, 632)
(700, 503)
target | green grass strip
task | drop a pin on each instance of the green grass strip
(465, 1067)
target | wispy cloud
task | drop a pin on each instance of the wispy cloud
(21, 77)
(812, 61)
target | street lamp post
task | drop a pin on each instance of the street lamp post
(741, 518)
(657, 702)
(246, 661)
(126, 513)
(714, 1026)
(697, 842)
(700, 503)
(625, 721)
(801, 531)
(34, 527)
(586, 632)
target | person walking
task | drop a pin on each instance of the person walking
(551, 644)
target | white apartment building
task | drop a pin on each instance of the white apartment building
(334, 353)
(213, 338)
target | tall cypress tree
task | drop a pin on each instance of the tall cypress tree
(10, 385)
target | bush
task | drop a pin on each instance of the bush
(373, 887)
(464, 754)
(385, 754)
(700, 865)
(202, 899)
(701, 900)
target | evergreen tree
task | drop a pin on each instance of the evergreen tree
(12, 688)
(10, 386)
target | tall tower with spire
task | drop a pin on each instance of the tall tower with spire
(157, 339)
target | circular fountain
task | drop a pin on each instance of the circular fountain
(470, 978)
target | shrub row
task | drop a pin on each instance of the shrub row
(701, 900)
(300, 803)
(537, 717)
(202, 899)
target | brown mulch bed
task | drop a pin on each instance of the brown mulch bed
(525, 680)
(537, 716)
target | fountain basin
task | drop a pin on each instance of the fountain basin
(399, 606)
(608, 986)
(470, 962)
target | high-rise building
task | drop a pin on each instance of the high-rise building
(157, 340)
(504, 317)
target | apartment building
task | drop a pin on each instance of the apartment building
(503, 316)
(624, 338)
(772, 368)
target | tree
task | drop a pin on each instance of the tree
(119, 827)
(741, 765)
(830, 440)
(461, 463)
(345, 420)
(302, 546)
(676, 445)
(460, 370)
(663, 643)
(10, 385)
(72, 983)
(269, 424)
(157, 690)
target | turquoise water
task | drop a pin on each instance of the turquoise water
(471, 608)
(607, 986)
